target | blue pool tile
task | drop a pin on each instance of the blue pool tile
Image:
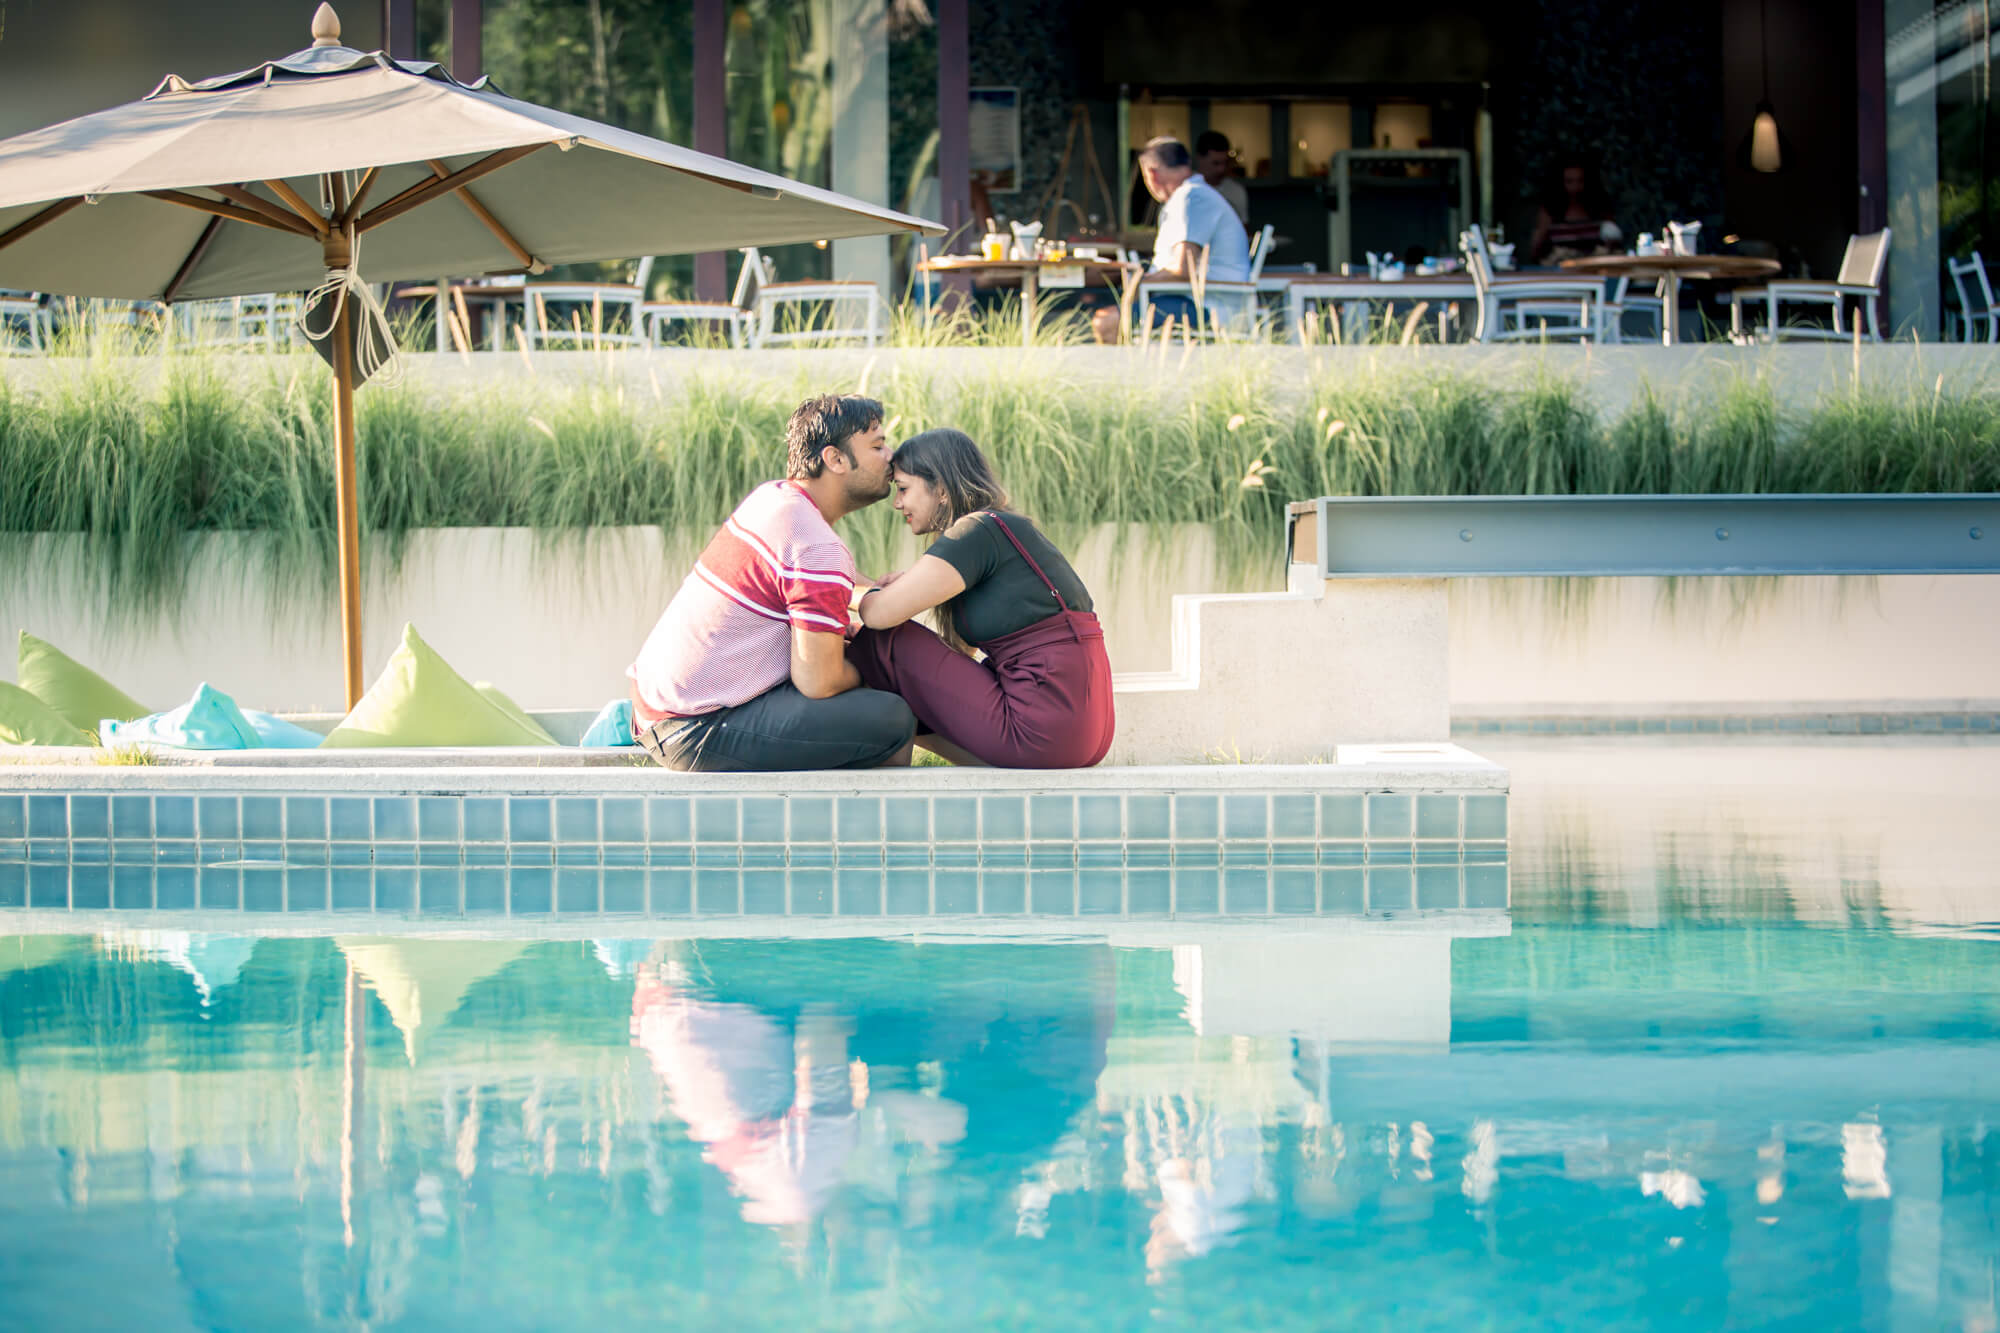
(529, 819)
(1246, 853)
(173, 817)
(1100, 892)
(396, 818)
(48, 849)
(955, 818)
(1293, 892)
(1437, 817)
(812, 892)
(48, 816)
(216, 853)
(668, 819)
(306, 854)
(956, 892)
(1342, 853)
(624, 819)
(718, 892)
(1009, 855)
(860, 892)
(89, 817)
(1439, 853)
(866, 854)
(173, 888)
(1294, 854)
(908, 893)
(669, 892)
(907, 854)
(90, 853)
(395, 853)
(263, 818)
(1196, 815)
(90, 887)
(485, 891)
(14, 817)
(1341, 892)
(576, 889)
(1389, 816)
(1341, 816)
(439, 854)
(764, 854)
(1100, 854)
(809, 854)
(1052, 855)
(1052, 817)
(349, 819)
(1197, 890)
(1246, 816)
(437, 889)
(1002, 818)
(264, 890)
(350, 853)
(715, 819)
(1486, 886)
(221, 887)
(131, 817)
(763, 893)
(1485, 817)
(906, 819)
(1390, 889)
(1100, 817)
(1293, 817)
(264, 851)
(763, 819)
(1437, 886)
(860, 819)
(1246, 891)
(579, 854)
(1149, 854)
(131, 887)
(1052, 892)
(176, 853)
(1391, 853)
(576, 819)
(811, 819)
(1003, 892)
(438, 819)
(624, 891)
(306, 889)
(483, 854)
(1199, 854)
(716, 855)
(305, 818)
(1149, 892)
(48, 885)
(395, 889)
(529, 890)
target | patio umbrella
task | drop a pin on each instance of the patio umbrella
(332, 166)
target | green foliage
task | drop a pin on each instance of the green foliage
(144, 456)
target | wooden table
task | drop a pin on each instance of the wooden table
(1332, 287)
(1032, 275)
(1671, 270)
(496, 297)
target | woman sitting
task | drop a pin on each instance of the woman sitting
(1042, 696)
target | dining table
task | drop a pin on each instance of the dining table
(1034, 275)
(1340, 290)
(494, 297)
(1670, 271)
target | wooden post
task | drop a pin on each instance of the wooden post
(711, 125)
(347, 508)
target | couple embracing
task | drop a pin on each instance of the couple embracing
(775, 655)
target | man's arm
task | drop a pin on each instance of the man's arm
(820, 668)
(1187, 263)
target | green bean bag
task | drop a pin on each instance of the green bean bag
(79, 695)
(418, 700)
(26, 720)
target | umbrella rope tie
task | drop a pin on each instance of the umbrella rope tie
(375, 353)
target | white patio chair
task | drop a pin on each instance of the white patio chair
(25, 324)
(1860, 280)
(1975, 301)
(591, 323)
(1529, 309)
(1621, 302)
(1229, 309)
(789, 312)
(734, 313)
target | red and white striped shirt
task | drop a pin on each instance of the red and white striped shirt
(727, 635)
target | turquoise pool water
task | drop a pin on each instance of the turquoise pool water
(1730, 1059)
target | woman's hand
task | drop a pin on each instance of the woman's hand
(926, 584)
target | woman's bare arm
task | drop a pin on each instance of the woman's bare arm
(926, 584)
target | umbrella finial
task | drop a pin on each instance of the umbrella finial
(326, 26)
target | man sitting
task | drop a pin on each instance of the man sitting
(747, 669)
(1197, 226)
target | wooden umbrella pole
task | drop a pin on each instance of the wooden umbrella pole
(339, 253)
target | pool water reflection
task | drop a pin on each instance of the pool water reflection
(1724, 1071)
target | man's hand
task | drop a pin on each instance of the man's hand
(820, 668)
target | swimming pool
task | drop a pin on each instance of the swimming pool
(1721, 1053)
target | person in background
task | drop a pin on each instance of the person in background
(1575, 218)
(1199, 237)
(1212, 160)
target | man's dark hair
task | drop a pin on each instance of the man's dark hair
(1211, 141)
(830, 420)
(1167, 153)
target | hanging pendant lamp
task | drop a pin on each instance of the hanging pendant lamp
(1764, 148)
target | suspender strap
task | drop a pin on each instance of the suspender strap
(1030, 559)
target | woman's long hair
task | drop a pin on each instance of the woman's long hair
(953, 465)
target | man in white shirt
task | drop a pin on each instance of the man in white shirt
(1198, 230)
(1212, 160)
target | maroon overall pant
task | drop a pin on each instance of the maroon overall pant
(1041, 699)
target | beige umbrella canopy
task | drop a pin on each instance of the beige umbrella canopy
(334, 162)
(420, 982)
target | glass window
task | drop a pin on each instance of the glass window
(779, 60)
(1248, 125)
(1319, 130)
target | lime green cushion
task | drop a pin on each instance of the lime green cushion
(500, 701)
(77, 693)
(420, 701)
(26, 720)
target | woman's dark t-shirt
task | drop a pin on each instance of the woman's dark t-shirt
(1002, 594)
